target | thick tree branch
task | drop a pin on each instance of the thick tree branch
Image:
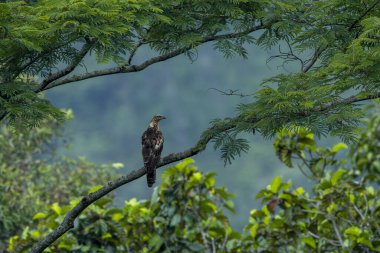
(350, 100)
(147, 63)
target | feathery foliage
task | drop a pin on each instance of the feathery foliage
(335, 43)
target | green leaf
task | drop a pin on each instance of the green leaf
(25, 233)
(155, 242)
(106, 235)
(95, 188)
(299, 191)
(39, 216)
(309, 241)
(117, 217)
(337, 175)
(117, 165)
(353, 231)
(253, 230)
(64, 245)
(175, 220)
(275, 186)
(195, 247)
(339, 146)
(56, 208)
(365, 241)
(35, 234)
(184, 163)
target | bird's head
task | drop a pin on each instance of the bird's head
(156, 119)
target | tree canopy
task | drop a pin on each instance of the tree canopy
(335, 43)
(188, 211)
(45, 44)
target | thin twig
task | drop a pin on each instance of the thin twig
(231, 92)
(213, 245)
(224, 241)
(337, 233)
(318, 52)
(358, 211)
(134, 50)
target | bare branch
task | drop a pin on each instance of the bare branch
(134, 50)
(136, 68)
(313, 60)
(231, 92)
(339, 236)
(288, 56)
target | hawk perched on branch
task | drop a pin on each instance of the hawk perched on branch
(152, 143)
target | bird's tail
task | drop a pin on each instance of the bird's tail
(151, 176)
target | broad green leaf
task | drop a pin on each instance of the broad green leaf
(184, 163)
(25, 232)
(309, 241)
(229, 204)
(275, 186)
(117, 217)
(117, 165)
(253, 230)
(113, 211)
(337, 175)
(56, 208)
(299, 191)
(339, 146)
(39, 216)
(370, 190)
(64, 245)
(195, 247)
(354, 231)
(106, 235)
(95, 188)
(175, 220)
(210, 180)
(155, 242)
(196, 177)
(365, 241)
(35, 234)
(331, 208)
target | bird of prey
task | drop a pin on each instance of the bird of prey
(152, 143)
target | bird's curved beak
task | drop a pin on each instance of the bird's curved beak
(162, 117)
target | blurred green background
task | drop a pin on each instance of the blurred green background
(112, 112)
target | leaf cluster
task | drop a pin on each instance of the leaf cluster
(186, 213)
(47, 40)
(32, 175)
(339, 213)
(338, 56)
